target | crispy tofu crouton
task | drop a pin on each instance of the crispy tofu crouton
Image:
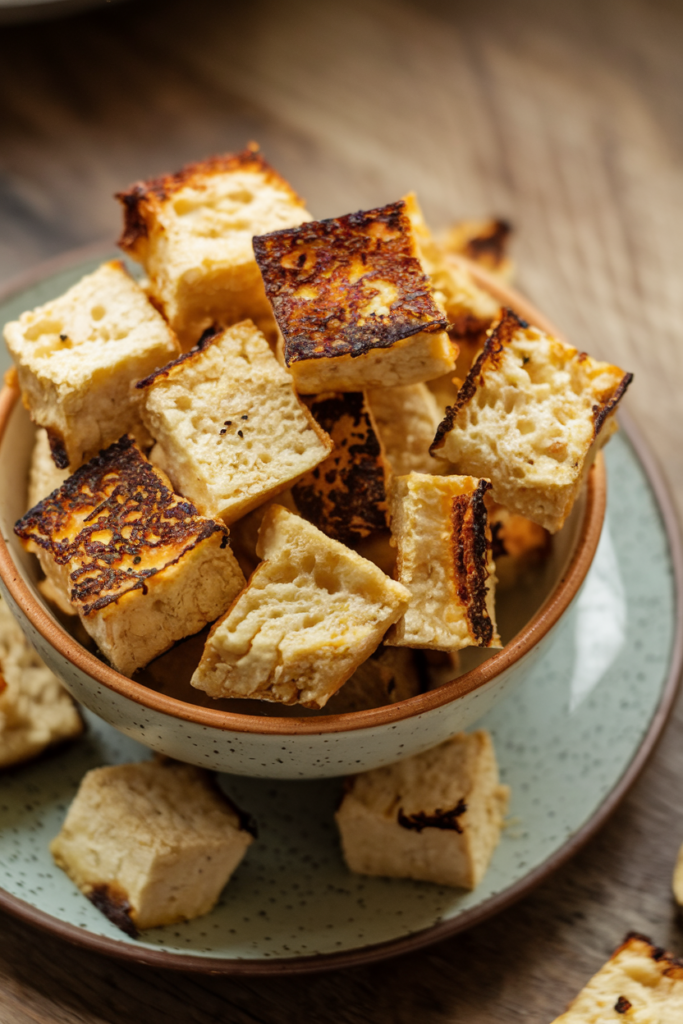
(141, 566)
(79, 357)
(353, 303)
(441, 530)
(389, 675)
(484, 242)
(640, 983)
(230, 429)
(518, 545)
(311, 614)
(152, 843)
(35, 710)
(406, 420)
(192, 232)
(44, 476)
(530, 417)
(435, 817)
(346, 495)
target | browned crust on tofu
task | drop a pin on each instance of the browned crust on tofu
(210, 335)
(141, 197)
(57, 449)
(120, 494)
(490, 244)
(345, 496)
(602, 411)
(342, 265)
(113, 903)
(470, 557)
(672, 966)
(446, 820)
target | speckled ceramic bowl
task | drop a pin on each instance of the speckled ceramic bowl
(267, 741)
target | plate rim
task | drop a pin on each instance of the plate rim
(193, 964)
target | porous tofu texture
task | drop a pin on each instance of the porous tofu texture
(35, 710)
(353, 303)
(312, 612)
(192, 232)
(79, 357)
(639, 983)
(346, 495)
(435, 817)
(152, 843)
(440, 527)
(230, 430)
(530, 417)
(140, 565)
(406, 420)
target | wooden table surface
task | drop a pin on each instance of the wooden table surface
(566, 118)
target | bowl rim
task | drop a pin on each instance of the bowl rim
(528, 637)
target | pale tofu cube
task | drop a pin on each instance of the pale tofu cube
(192, 232)
(440, 527)
(406, 420)
(79, 357)
(140, 565)
(312, 612)
(230, 429)
(151, 844)
(435, 817)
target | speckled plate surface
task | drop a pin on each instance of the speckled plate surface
(570, 741)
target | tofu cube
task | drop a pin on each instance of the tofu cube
(312, 612)
(346, 495)
(140, 565)
(79, 357)
(530, 417)
(640, 983)
(44, 477)
(192, 232)
(230, 429)
(151, 844)
(440, 527)
(406, 420)
(435, 817)
(353, 303)
(36, 712)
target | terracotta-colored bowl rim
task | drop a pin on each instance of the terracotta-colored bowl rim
(534, 631)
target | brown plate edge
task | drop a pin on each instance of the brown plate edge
(540, 624)
(435, 933)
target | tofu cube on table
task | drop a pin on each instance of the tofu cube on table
(435, 817)
(152, 843)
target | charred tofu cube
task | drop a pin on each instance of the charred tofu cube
(353, 303)
(640, 982)
(435, 817)
(346, 495)
(79, 357)
(192, 232)
(312, 612)
(140, 565)
(530, 417)
(231, 431)
(151, 844)
(440, 527)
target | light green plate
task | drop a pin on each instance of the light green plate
(570, 741)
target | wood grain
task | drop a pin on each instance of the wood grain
(568, 119)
